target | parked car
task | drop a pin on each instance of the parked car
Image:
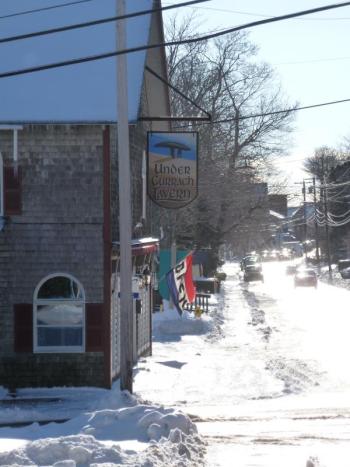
(343, 264)
(305, 278)
(250, 260)
(285, 254)
(270, 255)
(253, 272)
(345, 273)
(339, 254)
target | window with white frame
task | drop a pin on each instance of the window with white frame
(59, 315)
(1, 186)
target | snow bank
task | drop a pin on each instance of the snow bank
(142, 422)
(169, 322)
(83, 451)
(89, 439)
(337, 280)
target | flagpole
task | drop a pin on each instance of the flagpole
(172, 258)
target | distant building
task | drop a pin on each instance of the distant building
(278, 203)
(301, 221)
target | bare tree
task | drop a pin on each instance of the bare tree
(323, 161)
(246, 105)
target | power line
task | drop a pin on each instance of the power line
(320, 60)
(224, 10)
(301, 62)
(323, 220)
(330, 219)
(94, 22)
(166, 44)
(261, 15)
(333, 196)
(37, 10)
(339, 215)
(292, 109)
(334, 185)
(343, 174)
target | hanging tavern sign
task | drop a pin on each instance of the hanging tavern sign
(172, 168)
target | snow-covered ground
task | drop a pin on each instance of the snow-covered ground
(100, 427)
(263, 377)
(110, 428)
(269, 385)
(337, 279)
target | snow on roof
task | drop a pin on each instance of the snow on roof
(73, 94)
(276, 214)
(292, 210)
(308, 209)
(139, 246)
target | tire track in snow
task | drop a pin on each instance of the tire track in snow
(297, 376)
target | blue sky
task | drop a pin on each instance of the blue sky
(310, 56)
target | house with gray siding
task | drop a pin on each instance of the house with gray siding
(59, 284)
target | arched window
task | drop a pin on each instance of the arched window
(1, 186)
(59, 315)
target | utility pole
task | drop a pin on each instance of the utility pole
(325, 198)
(316, 224)
(126, 309)
(325, 204)
(305, 223)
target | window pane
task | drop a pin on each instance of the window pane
(60, 287)
(59, 314)
(55, 337)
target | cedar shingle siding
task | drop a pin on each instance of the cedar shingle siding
(55, 224)
(58, 230)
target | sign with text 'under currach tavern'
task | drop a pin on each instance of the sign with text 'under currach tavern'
(172, 168)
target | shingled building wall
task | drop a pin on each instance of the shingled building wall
(59, 230)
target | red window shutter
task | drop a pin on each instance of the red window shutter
(23, 327)
(94, 327)
(12, 190)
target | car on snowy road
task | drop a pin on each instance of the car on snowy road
(250, 260)
(253, 272)
(305, 278)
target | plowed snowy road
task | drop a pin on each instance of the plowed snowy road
(270, 386)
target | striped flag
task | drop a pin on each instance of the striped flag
(179, 280)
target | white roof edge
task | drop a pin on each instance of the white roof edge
(11, 127)
(277, 214)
